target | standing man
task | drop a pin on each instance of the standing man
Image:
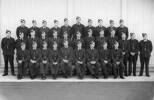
(121, 29)
(8, 47)
(44, 28)
(124, 46)
(100, 27)
(66, 28)
(110, 28)
(56, 27)
(90, 26)
(35, 28)
(133, 54)
(92, 60)
(78, 27)
(22, 28)
(80, 57)
(66, 59)
(145, 48)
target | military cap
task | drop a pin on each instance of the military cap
(100, 20)
(55, 21)
(65, 19)
(89, 20)
(111, 21)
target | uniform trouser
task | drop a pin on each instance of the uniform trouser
(144, 62)
(93, 68)
(132, 61)
(54, 68)
(34, 68)
(80, 69)
(106, 68)
(10, 59)
(66, 68)
(22, 68)
(44, 68)
(118, 69)
(125, 61)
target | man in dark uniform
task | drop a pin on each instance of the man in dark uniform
(56, 39)
(43, 39)
(100, 39)
(80, 56)
(44, 28)
(145, 48)
(66, 38)
(105, 60)
(20, 40)
(117, 60)
(8, 47)
(133, 53)
(110, 28)
(90, 26)
(22, 28)
(111, 40)
(78, 27)
(54, 60)
(35, 57)
(44, 64)
(66, 59)
(66, 28)
(100, 27)
(56, 27)
(77, 39)
(124, 46)
(92, 60)
(89, 38)
(121, 29)
(22, 60)
(32, 39)
(36, 29)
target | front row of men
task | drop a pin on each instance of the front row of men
(68, 61)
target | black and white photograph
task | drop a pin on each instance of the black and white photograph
(76, 50)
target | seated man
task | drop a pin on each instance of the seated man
(105, 60)
(117, 60)
(22, 60)
(35, 56)
(92, 60)
(54, 60)
(44, 64)
(79, 55)
(66, 59)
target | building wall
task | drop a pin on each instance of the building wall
(138, 14)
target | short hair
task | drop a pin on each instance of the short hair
(23, 43)
(89, 30)
(55, 21)
(100, 20)
(111, 21)
(116, 42)
(65, 19)
(32, 31)
(33, 21)
(77, 17)
(131, 34)
(144, 34)
(34, 42)
(8, 31)
(22, 20)
(121, 20)
(44, 21)
(89, 20)
(79, 42)
(44, 42)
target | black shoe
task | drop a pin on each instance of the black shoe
(105, 77)
(140, 75)
(122, 77)
(54, 77)
(134, 75)
(148, 75)
(19, 77)
(32, 77)
(115, 77)
(80, 77)
(4, 74)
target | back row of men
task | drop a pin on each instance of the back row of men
(94, 51)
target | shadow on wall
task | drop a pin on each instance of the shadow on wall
(77, 91)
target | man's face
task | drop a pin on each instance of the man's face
(43, 34)
(145, 37)
(32, 33)
(22, 23)
(65, 35)
(133, 36)
(112, 24)
(21, 35)
(90, 33)
(113, 32)
(92, 45)
(78, 35)
(8, 34)
(56, 23)
(45, 45)
(78, 20)
(105, 46)
(116, 45)
(90, 23)
(55, 45)
(123, 36)
(79, 45)
(66, 43)
(66, 22)
(101, 33)
(45, 24)
(35, 45)
(122, 23)
(23, 47)
(100, 22)
(34, 23)
(55, 34)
